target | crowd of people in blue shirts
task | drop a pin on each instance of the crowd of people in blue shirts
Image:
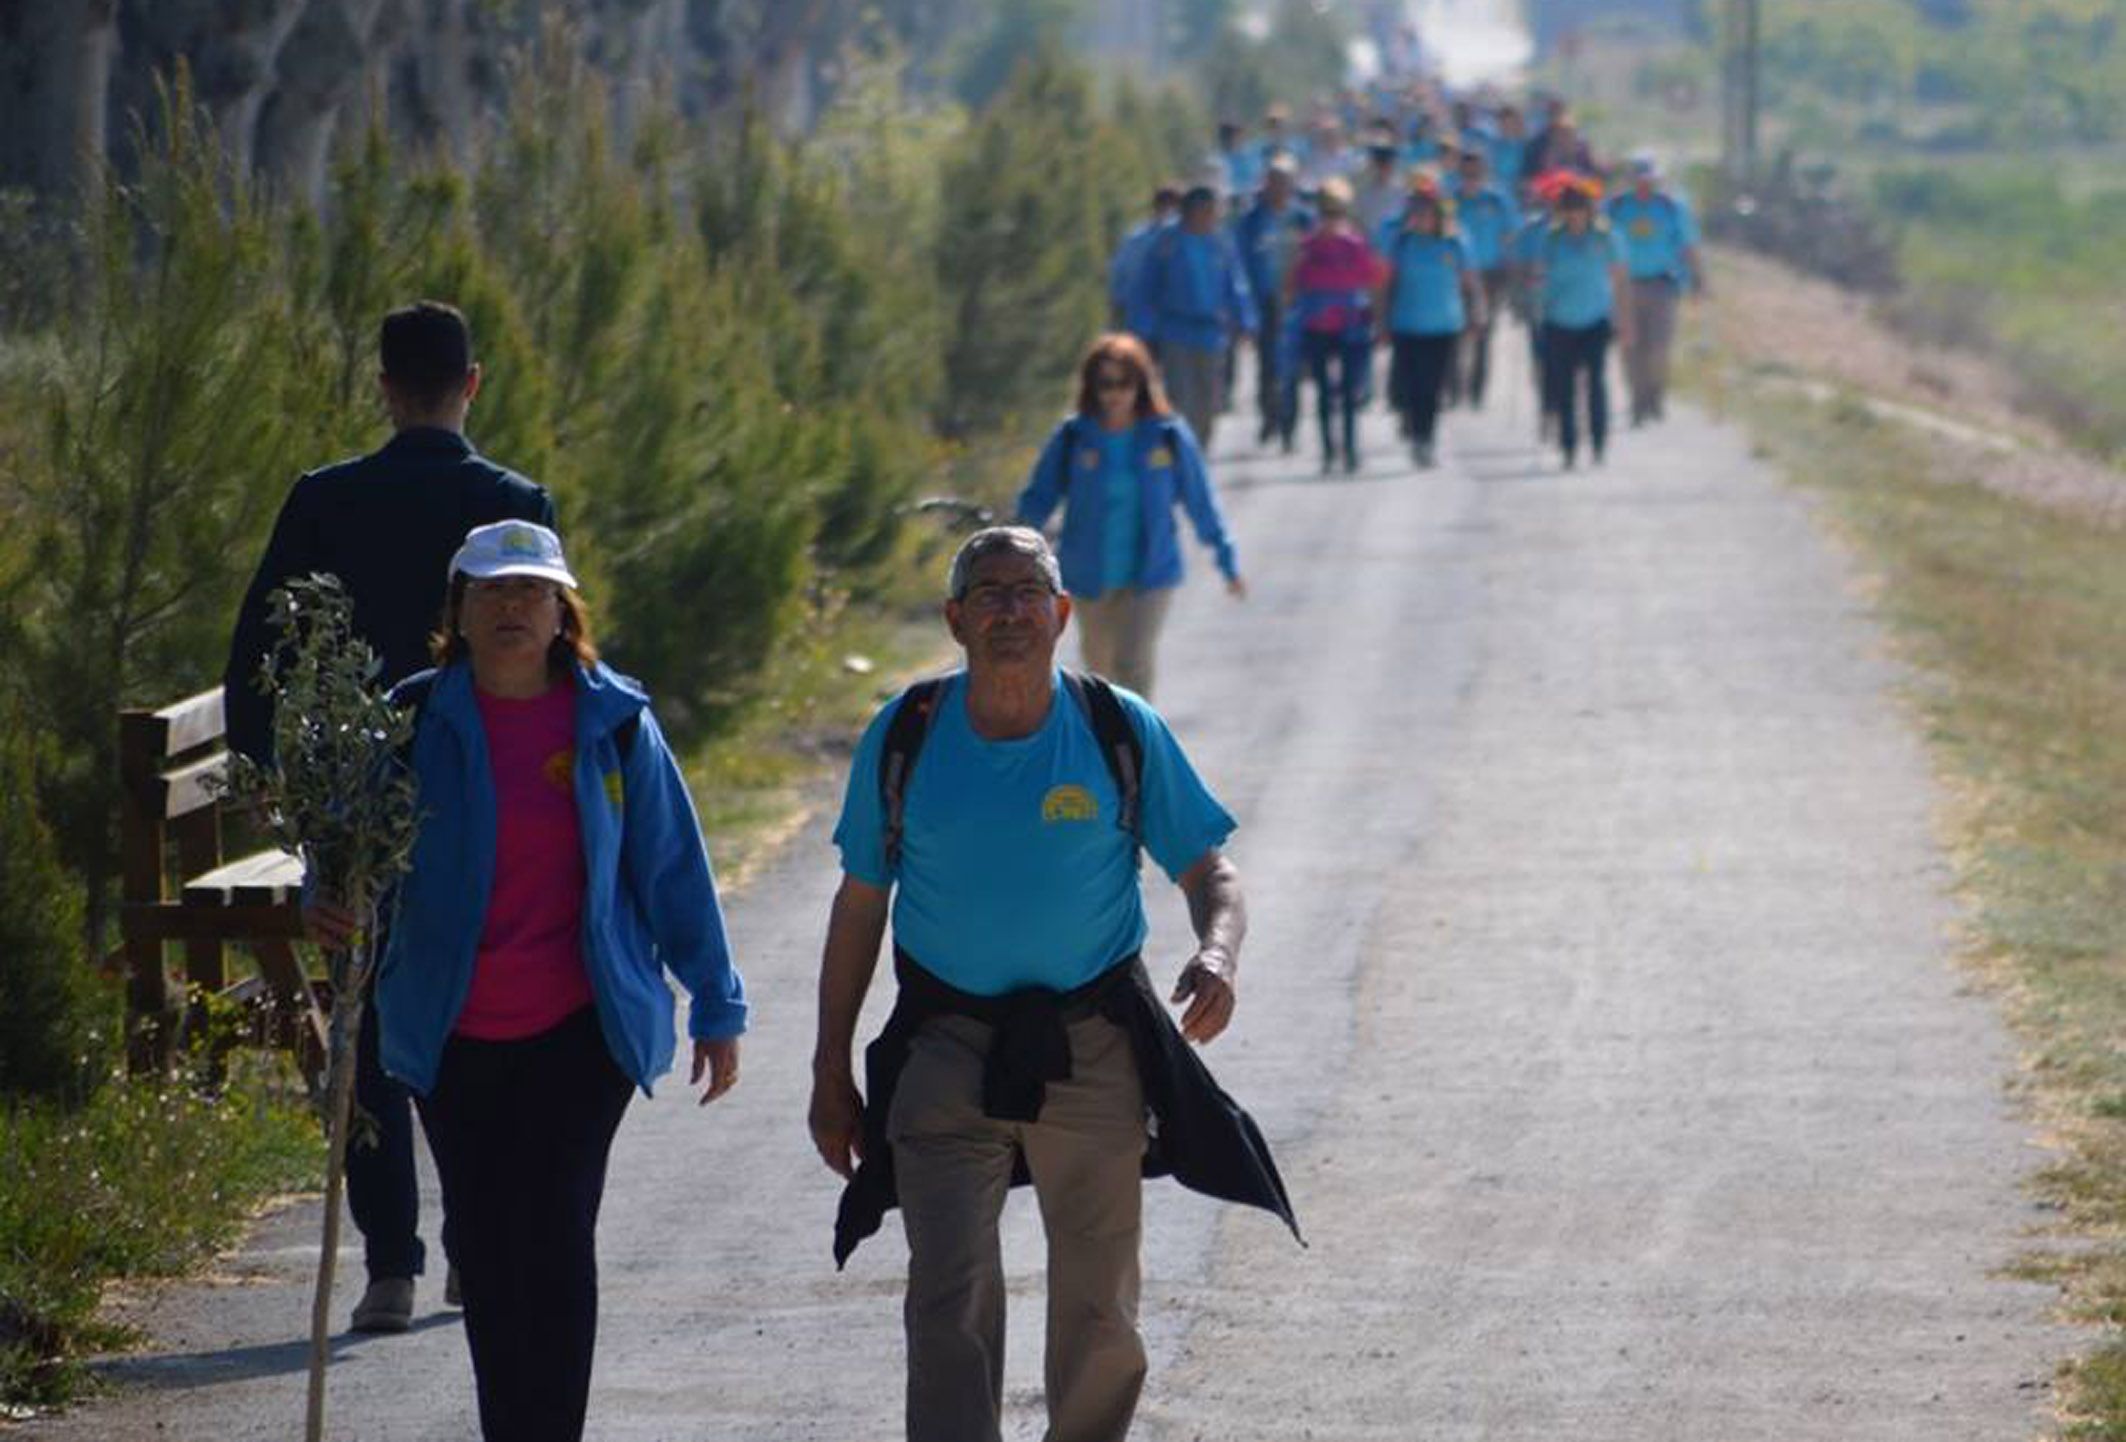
(1448, 212)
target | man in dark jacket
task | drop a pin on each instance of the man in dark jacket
(387, 525)
(1026, 1039)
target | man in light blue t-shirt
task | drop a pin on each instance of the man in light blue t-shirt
(1017, 913)
(1660, 238)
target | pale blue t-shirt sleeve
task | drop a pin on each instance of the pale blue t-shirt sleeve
(861, 833)
(1181, 818)
(1619, 249)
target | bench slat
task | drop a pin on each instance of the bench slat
(167, 921)
(266, 878)
(192, 788)
(176, 729)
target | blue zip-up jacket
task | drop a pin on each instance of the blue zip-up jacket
(1170, 466)
(649, 903)
(1191, 290)
(1267, 240)
(1128, 260)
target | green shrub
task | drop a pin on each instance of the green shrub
(56, 1023)
(142, 1181)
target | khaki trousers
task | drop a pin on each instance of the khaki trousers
(1118, 633)
(953, 1165)
(1195, 383)
(1653, 335)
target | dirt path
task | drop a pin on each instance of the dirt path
(1598, 1002)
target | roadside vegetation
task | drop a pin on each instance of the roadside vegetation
(735, 356)
(1979, 136)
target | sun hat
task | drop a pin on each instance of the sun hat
(512, 548)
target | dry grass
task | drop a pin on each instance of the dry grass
(1766, 320)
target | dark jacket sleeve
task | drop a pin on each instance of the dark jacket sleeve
(541, 509)
(291, 552)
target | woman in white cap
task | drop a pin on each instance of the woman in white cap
(559, 872)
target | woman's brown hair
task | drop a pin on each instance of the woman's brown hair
(574, 646)
(1122, 349)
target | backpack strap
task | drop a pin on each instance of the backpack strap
(905, 735)
(1120, 746)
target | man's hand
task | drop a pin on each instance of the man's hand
(720, 1060)
(330, 924)
(837, 1119)
(1207, 986)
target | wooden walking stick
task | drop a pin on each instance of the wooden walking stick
(338, 795)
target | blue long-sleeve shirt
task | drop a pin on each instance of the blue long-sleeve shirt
(1170, 470)
(1191, 291)
(1267, 239)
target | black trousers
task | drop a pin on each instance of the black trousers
(1276, 393)
(521, 1131)
(1475, 353)
(382, 1191)
(1568, 353)
(1420, 374)
(1351, 360)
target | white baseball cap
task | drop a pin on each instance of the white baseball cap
(512, 548)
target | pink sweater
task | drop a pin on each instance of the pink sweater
(1340, 266)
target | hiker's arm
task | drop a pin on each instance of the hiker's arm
(1044, 487)
(1220, 918)
(292, 552)
(855, 928)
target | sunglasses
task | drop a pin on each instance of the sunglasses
(1109, 381)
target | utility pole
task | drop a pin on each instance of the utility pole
(1740, 42)
(1752, 19)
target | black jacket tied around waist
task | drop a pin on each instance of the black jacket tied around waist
(1196, 1133)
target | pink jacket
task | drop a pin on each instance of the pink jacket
(1335, 276)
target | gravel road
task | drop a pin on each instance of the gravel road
(1599, 1003)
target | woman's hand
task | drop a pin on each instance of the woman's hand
(330, 924)
(1236, 587)
(720, 1060)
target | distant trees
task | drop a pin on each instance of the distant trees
(2033, 71)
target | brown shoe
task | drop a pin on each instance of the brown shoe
(386, 1307)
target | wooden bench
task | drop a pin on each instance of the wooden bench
(179, 890)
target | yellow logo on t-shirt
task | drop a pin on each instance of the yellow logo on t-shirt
(1089, 460)
(612, 789)
(1069, 803)
(560, 769)
(1160, 459)
(1642, 227)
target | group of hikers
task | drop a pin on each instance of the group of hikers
(559, 875)
(1448, 211)
(995, 818)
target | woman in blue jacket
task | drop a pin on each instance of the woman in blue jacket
(1432, 297)
(558, 874)
(1118, 467)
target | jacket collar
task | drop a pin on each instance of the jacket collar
(604, 698)
(430, 438)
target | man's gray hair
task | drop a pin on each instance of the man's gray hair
(1002, 541)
